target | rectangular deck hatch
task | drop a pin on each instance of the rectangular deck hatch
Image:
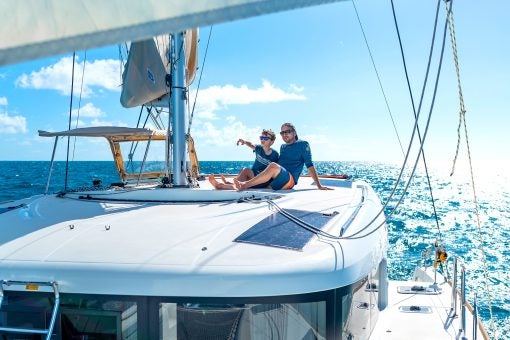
(417, 289)
(278, 231)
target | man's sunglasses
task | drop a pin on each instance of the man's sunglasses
(265, 138)
(285, 131)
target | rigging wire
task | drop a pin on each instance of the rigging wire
(424, 134)
(69, 125)
(407, 154)
(79, 101)
(414, 109)
(462, 120)
(378, 78)
(199, 81)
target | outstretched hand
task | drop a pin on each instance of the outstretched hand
(321, 187)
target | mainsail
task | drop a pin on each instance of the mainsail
(145, 77)
(39, 28)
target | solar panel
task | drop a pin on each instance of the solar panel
(277, 230)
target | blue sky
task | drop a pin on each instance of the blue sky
(310, 67)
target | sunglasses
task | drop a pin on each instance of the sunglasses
(285, 131)
(265, 138)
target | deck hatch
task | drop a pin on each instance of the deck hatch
(278, 231)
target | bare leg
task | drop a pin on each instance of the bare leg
(245, 174)
(269, 173)
(225, 180)
(219, 186)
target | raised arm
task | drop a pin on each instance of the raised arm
(247, 143)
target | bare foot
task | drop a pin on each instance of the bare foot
(225, 180)
(213, 181)
(238, 185)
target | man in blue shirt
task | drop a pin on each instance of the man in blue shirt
(285, 174)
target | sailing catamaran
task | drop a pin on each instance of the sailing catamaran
(162, 254)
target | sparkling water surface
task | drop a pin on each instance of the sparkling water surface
(412, 227)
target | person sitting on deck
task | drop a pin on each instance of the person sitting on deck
(285, 174)
(264, 155)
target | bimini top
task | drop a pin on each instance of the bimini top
(109, 132)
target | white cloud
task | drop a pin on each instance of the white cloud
(97, 122)
(3, 100)
(99, 75)
(209, 134)
(296, 88)
(12, 124)
(210, 101)
(89, 110)
(216, 98)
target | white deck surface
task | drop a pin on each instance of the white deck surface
(395, 322)
(185, 249)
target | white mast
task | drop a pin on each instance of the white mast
(178, 110)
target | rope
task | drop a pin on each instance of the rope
(378, 78)
(462, 121)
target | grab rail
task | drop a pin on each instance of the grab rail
(464, 303)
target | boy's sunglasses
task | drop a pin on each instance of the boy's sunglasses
(265, 138)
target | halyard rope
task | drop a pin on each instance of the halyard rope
(462, 121)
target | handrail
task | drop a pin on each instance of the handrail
(49, 330)
(476, 324)
(475, 318)
(463, 299)
(454, 287)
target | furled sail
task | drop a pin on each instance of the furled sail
(144, 79)
(144, 76)
(39, 28)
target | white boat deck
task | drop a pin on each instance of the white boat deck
(125, 236)
(402, 320)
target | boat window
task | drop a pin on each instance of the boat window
(243, 321)
(24, 311)
(89, 318)
(154, 158)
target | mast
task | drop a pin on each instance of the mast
(178, 111)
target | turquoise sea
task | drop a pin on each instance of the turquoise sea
(412, 228)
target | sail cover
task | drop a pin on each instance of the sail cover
(144, 78)
(39, 28)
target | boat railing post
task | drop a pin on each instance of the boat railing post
(454, 287)
(475, 318)
(51, 165)
(463, 299)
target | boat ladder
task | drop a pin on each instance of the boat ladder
(32, 285)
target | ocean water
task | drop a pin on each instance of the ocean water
(412, 227)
